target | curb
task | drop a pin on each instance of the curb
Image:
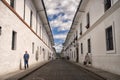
(90, 71)
(34, 70)
(93, 72)
(27, 72)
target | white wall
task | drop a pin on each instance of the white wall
(100, 56)
(10, 59)
(99, 21)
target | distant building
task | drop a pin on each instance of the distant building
(23, 27)
(96, 30)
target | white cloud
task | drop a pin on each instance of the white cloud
(58, 47)
(52, 11)
(60, 36)
(62, 22)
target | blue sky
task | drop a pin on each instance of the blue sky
(60, 15)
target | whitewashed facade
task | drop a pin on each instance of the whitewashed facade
(23, 27)
(96, 30)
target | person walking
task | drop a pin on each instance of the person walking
(26, 58)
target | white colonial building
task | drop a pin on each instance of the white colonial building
(23, 27)
(96, 30)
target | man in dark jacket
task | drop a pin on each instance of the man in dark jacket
(26, 58)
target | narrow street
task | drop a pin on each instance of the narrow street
(61, 70)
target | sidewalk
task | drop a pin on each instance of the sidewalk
(104, 74)
(21, 73)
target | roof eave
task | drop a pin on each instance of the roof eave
(44, 19)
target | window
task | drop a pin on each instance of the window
(24, 10)
(33, 44)
(40, 50)
(0, 30)
(107, 4)
(31, 14)
(76, 35)
(74, 55)
(12, 3)
(89, 46)
(43, 53)
(88, 20)
(109, 38)
(14, 40)
(80, 28)
(40, 31)
(43, 49)
(37, 22)
(81, 48)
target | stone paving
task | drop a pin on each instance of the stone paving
(21, 73)
(61, 70)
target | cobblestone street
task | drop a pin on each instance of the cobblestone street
(61, 70)
(59, 39)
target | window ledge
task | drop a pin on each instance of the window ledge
(111, 52)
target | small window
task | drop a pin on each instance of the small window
(88, 20)
(33, 45)
(81, 48)
(12, 3)
(74, 54)
(89, 46)
(76, 35)
(0, 30)
(43, 53)
(80, 28)
(107, 4)
(31, 14)
(40, 31)
(109, 38)
(24, 10)
(14, 40)
(40, 50)
(43, 49)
